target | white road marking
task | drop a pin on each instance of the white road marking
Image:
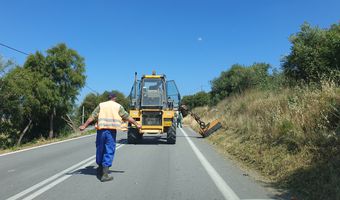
(38, 185)
(224, 188)
(60, 177)
(45, 145)
(56, 182)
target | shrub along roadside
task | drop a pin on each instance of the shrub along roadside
(290, 136)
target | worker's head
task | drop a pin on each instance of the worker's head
(112, 96)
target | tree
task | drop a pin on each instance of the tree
(65, 68)
(23, 100)
(238, 79)
(196, 100)
(4, 129)
(89, 103)
(4, 66)
(315, 54)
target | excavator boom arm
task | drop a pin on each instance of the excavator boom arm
(205, 129)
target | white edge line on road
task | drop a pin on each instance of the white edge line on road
(44, 145)
(224, 188)
(66, 174)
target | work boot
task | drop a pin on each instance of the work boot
(100, 171)
(106, 176)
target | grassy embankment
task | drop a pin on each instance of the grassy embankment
(291, 137)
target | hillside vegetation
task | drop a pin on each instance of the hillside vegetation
(285, 123)
(290, 136)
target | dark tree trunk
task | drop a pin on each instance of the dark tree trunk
(71, 123)
(51, 132)
(24, 132)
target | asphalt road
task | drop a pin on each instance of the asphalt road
(190, 169)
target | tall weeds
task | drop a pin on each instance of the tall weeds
(288, 135)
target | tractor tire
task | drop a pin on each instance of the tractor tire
(133, 136)
(171, 135)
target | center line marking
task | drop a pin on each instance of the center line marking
(60, 177)
(224, 188)
(56, 182)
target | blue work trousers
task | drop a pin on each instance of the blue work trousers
(106, 147)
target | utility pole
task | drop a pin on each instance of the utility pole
(82, 117)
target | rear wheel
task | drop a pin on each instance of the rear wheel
(133, 136)
(171, 135)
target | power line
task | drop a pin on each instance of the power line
(14, 49)
(91, 89)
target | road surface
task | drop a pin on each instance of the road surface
(190, 169)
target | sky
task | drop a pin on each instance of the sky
(190, 41)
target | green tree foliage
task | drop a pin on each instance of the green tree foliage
(23, 102)
(89, 103)
(315, 54)
(4, 66)
(196, 100)
(238, 79)
(4, 129)
(65, 68)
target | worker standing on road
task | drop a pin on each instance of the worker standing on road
(179, 119)
(110, 115)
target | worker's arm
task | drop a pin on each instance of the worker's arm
(132, 121)
(86, 124)
(93, 116)
(126, 117)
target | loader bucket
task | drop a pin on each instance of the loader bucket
(210, 128)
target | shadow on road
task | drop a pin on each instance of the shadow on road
(154, 140)
(122, 141)
(147, 140)
(92, 171)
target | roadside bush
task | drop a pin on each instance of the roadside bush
(238, 79)
(315, 55)
(196, 100)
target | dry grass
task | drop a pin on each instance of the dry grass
(288, 136)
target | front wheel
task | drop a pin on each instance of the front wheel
(171, 135)
(133, 136)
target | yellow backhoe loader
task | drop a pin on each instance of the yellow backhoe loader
(154, 102)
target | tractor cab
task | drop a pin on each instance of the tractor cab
(154, 92)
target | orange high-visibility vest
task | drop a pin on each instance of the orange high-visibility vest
(108, 117)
